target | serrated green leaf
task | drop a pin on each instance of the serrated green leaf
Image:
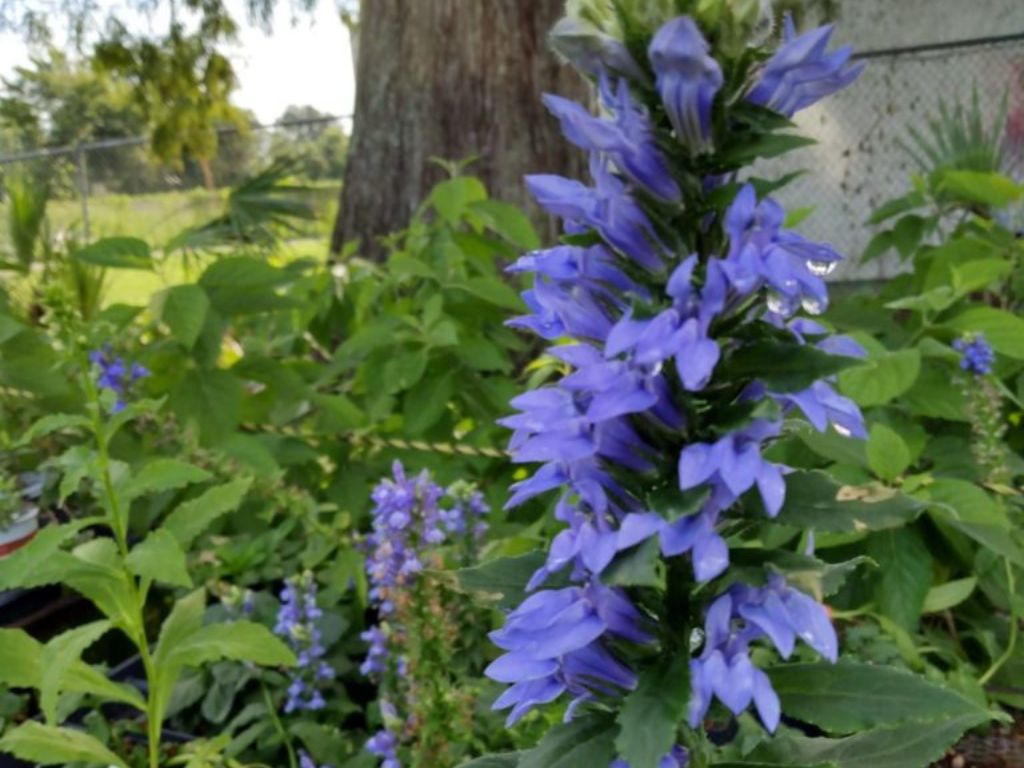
(162, 475)
(504, 579)
(783, 367)
(48, 745)
(888, 456)
(452, 198)
(585, 741)
(904, 574)
(879, 380)
(20, 659)
(54, 422)
(194, 516)
(914, 745)
(117, 252)
(425, 404)
(237, 641)
(651, 714)
(814, 500)
(184, 309)
(493, 291)
(850, 697)
(509, 222)
(160, 558)
(504, 760)
(58, 656)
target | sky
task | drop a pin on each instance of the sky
(308, 62)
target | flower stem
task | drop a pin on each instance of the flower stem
(1014, 628)
(279, 726)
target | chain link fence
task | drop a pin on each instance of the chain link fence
(859, 161)
(115, 186)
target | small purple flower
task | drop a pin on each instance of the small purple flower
(688, 80)
(384, 744)
(112, 373)
(305, 761)
(677, 758)
(628, 141)
(297, 625)
(802, 73)
(977, 355)
(744, 614)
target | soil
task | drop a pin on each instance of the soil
(1001, 747)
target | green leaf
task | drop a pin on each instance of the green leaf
(21, 666)
(160, 558)
(493, 291)
(47, 745)
(948, 595)
(184, 309)
(237, 641)
(767, 145)
(1003, 330)
(426, 403)
(814, 500)
(640, 566)
(934, 396)
(184, 620)
(849, 697)
(117, 252)
(504, 579)
(237, 272)
(782, 366)
(991, 189)
(509, 222)
(585, 741)
(504, 760)
(194, 516)
(651, 714)
(162, 475)
(907, 202)
(969, 503)
(54, 422)
(20, 659)
(913, 745)
(210, 399)
(881, 379)
(42, 560)
(58, 656)
(904, 575)
(454, 197)
(888, 456)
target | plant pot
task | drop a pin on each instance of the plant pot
(19, 532)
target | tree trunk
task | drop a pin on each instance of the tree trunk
(450, 79)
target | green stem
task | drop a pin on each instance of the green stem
(279, 726)
(1014, 627)
(118, 525)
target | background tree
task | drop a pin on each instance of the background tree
(312, 141)
(449, 79)
(182, 84)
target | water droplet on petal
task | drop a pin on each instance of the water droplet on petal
(780, 304)
(842, 430)
(813, 306)
(822, 268)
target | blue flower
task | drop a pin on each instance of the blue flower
(677, 758)
(688, 79)
(112, 373)
(977, 355)
(802, 73)
(628, 141)
(553, 647)
(384, 744)
(740, 616)
(297, 624)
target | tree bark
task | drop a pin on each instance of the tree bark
(450, 79)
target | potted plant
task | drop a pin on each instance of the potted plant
(19, 516)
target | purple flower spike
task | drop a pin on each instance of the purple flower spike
(740, 616)
(688, 79)
(802, 73)
(977, 355)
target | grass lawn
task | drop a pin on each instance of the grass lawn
(160, 216)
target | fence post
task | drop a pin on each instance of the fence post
(83, 190)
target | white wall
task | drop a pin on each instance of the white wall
(858, 164)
